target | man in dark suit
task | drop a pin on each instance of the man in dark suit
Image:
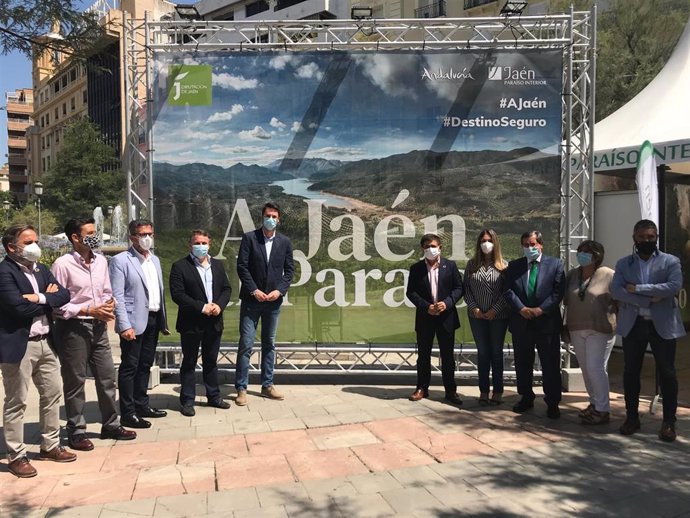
(265, 268)
(434, 286)
(201, 289)
(28, 294)
(536, 285)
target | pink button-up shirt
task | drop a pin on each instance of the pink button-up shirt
(39, 326)
(88, 283)
(432, 271)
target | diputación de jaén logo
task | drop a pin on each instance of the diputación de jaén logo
(190, 85)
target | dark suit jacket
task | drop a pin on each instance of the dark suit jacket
(252, 267)
(17, 313)
(449, 291)
(550, 291)
(188, 292)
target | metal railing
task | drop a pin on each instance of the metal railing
(432, 10)
(469, 4)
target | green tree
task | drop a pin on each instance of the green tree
(79, 181)
(28, 215)
(635, 38)
(23, 22)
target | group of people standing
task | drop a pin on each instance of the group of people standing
(54, 325)
(637, 301)
(63, 313)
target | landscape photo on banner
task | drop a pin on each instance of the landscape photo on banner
(364, 152)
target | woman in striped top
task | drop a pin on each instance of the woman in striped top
(488, 312)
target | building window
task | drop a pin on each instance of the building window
(84, 97)
(56, 86)
(282, 4)
(48, 161)
(64, 81)
(73, 104)
(73, 75)
(43, 142)
(56, 114)
(48, 139)
(64, 108)
(256, 7)
(42, 122)
(47, 119)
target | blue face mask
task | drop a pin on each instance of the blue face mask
(531, 253)
(584, 259)
(199, 251)
(270, 224)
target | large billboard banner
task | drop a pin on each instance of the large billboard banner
(365, 152)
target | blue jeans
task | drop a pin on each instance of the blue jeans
(250, 314)
(489, 336)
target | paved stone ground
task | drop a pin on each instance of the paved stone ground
(360, 450)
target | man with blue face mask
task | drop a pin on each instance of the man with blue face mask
(201, 289)
(265, 267)
(536, 285)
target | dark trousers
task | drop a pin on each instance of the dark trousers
(209, 340)
(664, 350)
(83, 342)
(548, 347)
(446, 343)
(135, 368)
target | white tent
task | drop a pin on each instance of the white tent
(660, 113)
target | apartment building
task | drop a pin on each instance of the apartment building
(19, 107)
(5, 177)
(92, 87)
(248, 10)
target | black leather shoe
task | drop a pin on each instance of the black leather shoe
(151, 412)
(119, 433)
(523, 406)
(187, 410)
(453, 399)
(219, 403)
(553, 412)
(133, 421)
(630, 426)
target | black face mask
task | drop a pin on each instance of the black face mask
(645, 247)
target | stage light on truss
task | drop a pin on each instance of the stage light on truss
(187, 12)
(513, 7)
(359, 12)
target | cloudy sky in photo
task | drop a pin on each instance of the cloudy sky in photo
(388, 103)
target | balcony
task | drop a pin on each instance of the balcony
(23, 107)
(16, 159)
(16, 143)
(17, 124)
(432, 10)
(471, 4)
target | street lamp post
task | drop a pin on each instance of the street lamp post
(110, 217)
(6, 205)
(38, 191)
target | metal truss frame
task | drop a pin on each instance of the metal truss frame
(342, 359)
(574, 33)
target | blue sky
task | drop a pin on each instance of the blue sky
(384, 106)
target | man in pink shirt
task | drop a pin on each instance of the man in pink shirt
(82, 334)
(28, 293)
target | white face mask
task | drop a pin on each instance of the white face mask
(146, 242)
(487, 247)
(431, 253)
(31, 253)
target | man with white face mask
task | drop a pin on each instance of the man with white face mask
(201, 289)
(137, 283)
(535, 287)
(28, 294)
(434, 286)
(81, 328)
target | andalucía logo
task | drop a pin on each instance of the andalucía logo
(495, 73)
(189, 85)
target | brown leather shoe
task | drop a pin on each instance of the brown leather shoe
(241, 399)
(58, 454)
(119, 434)
(667, 432)
(80, 442)
(271, 392)
(419, 394)
(22, 468)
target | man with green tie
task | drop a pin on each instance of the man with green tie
(535, 287)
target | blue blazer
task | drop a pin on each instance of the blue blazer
(665, 281)
(550, 292)
(131, 295)
(449, 291)
(17, 314)
(257, 273)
